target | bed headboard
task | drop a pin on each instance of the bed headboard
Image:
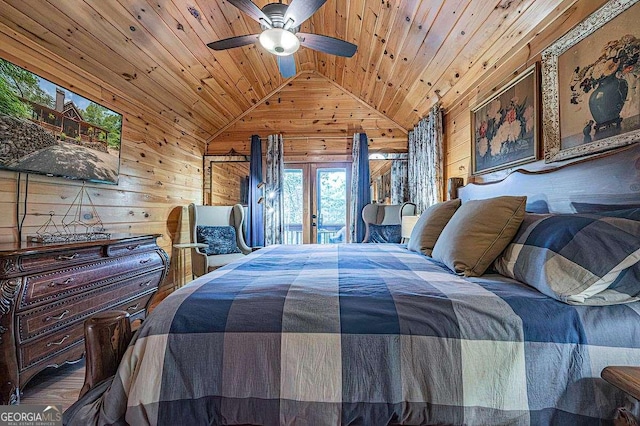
(606, 182)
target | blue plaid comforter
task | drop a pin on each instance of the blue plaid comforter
(367, 334)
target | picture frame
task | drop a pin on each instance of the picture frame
(51, 130)
(505, 128)
(591, 84)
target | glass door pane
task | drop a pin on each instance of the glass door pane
(331, 205)
(293, 206)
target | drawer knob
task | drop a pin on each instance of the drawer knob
(143, 261)
(56, 317)
(134, 307)
(67, 281)
(147, 284)
(133, 247)
(58, 343)
(69, 257)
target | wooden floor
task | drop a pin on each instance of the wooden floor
(55, 386)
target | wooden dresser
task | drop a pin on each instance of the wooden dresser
(48, 290)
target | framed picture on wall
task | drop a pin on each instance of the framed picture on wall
(591, 84)
(50, 130)
(505, 127)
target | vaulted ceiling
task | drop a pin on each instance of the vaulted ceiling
(410, 52)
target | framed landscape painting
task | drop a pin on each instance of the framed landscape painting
(50, 130)
(591, 84)
(504, 128)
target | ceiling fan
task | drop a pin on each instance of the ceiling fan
(280, 24)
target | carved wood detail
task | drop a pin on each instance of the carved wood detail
(8, 291)
(8, 266)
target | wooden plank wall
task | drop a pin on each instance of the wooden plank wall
(226, 182)
(457, 121)
(160, 169)
(317, 119)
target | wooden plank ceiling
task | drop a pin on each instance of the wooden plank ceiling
(312, 107)
(410, 52)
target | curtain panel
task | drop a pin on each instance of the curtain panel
(274, 197)
(399, 181)
(360, 186)
(255, 215)
(425, 160)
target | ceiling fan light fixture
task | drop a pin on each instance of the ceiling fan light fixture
(279, 41)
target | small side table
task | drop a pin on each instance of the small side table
(181, 262)
(626, 379)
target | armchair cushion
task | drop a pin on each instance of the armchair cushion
(384, 214)
(221, 239)
(384, 233)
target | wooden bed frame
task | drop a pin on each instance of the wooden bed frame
(608, 181)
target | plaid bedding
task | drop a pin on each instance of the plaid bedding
(366, 334)
(578, 258)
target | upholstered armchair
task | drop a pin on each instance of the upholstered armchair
(384, 214)
(221, 227)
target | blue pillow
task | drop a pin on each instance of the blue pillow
(385, 233)
(591, 259)
(221, 239)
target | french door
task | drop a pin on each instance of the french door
(316, 202)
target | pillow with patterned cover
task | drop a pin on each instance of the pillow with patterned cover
(385, 233)
(221, 239)
(591, 259)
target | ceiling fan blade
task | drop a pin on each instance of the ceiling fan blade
(299, 11)
(230, 43)
(250, 8)
(327, 44)
(287, 65)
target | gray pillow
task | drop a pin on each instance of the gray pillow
(478, 232)
(221, 239)
(384, 233)
(430, 225)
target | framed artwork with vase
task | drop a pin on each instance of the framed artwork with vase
(591, 84)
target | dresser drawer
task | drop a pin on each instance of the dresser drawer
(51, 317)
(41, 288)
(50, 345)
(60, 259)
(131, 247)
(135, 306)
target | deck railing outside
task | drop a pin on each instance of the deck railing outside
(327, 234)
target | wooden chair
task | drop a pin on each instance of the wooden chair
(107, 336)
